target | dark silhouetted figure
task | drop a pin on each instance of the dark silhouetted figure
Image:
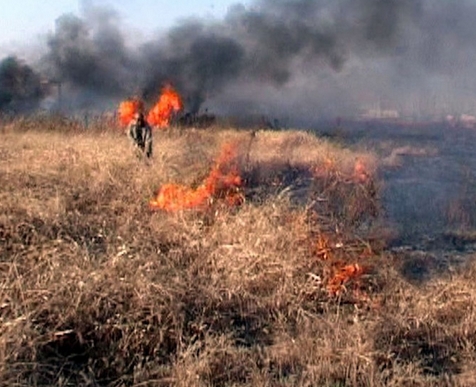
(140, 133)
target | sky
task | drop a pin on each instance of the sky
(25, 23)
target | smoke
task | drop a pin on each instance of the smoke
(196, 59)
(302, 58)
(20, 86)
(89, 56)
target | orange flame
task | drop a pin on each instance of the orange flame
(223, 182)
(361, 174)
(325, 169)
(323, 248)
(127, 110)
(169, 102)
(344, 275)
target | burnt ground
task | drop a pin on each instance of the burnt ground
(428, 172)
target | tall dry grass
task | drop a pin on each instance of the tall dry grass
(98, 290)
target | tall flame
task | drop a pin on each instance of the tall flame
(223, 182)
(127, 110)
(169, 102)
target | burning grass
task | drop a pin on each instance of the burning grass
(283, 289)
(223, 182)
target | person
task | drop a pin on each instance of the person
(140, 133)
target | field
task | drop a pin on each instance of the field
(291, 285)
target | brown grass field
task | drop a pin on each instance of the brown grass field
(96, 289)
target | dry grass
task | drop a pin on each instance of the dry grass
(97, 290)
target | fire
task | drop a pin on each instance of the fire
(127, 110)
(343, 276)
(361, 174)
(325, 169)
(169, 102)
(223, 182)
(323, 248)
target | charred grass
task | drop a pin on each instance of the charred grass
(98, 290)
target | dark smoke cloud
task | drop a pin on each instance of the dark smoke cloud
(90, 54)
(296, 58)
(198, 60)
(20, 86)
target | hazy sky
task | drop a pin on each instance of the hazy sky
(26, 22)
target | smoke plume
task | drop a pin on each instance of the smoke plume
(20, 86)
(302, 58)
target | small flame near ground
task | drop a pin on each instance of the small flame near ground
(169, 102)
(343, 275)
(361, 172)
(223, 183)
(127, 110)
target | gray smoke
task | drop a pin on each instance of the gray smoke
(195, 58)
(301, 58)
(89, 56)
(20, 86)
